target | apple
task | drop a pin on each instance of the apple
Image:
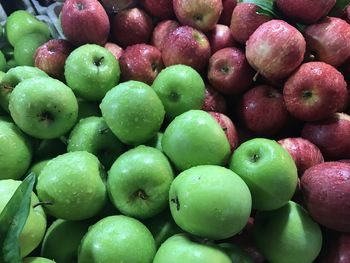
(35, 226)
(330, 136)
(195, 138)
(329, 40)
(93, 135)
(76, 192)
(159, 8)
(37, 260)
(261, 109)
(315, 91)
(44, 108)
(245, 20)
(336, 248)
(304, 153)
(59, 246)
(287, 234)
(229, 71)
(228, 127)
(208, 194)
(226, 14)
(220, 37)
(161, 32)
(156, 141)
(37, 167)
(180, 88)
(214, 100)
(3, 64)
(117, 239)
(90, 71)
(184, 248)
(200, 14)
(131, 26)
(236, 253)
(20, 23)
(51, 57)
(139, 182)
(84, 21)
(326, 191)
(127, 112)
(115, 6)
(268, 170)
(116, 50)
(15, 151)
(141, 62)
(188, 46)
(275, 49)
(305, 11)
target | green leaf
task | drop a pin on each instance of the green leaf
(339, 8)
(266, 7)
(13, 219)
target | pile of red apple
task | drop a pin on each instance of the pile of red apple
(219, 130)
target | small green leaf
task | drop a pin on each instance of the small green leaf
(13, 219)
(339, 8)
(266, 7)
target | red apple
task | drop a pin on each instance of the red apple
(329, 40)
(331, 136)
(228, 127)
(131, 26)
(200, 14)
(305, 11)
(304, 153)
(275, 49)
(245, 20)
(161, 32)
(186, 45)
(262, 110)
(159, 8)
(141, 62)
(220, 37)
(116, 50)
(226, 14)
(315, 91)
(214, 101)
(229, 71)
(326, 191)
(51, 57)
(115, 6)
(336, 248)
(84, 21)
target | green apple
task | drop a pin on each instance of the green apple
(236, 253)
(49, 148)
(62, 240)
(195, 138)
(93, 135)
(15, 151)
(133, 111)
(156, 141)
(11, 63)
(14, 76)
(37, 260)
(180, 89)
(3, 64)
(117, 239)
(26, 46)
(37, 167)
(287, 235)
(44, 108)
(139, 182)
(91, 71)
(21, 23)
(35, 226)
(74, 185)
(88, 109)
(268, 170)
(182, 248)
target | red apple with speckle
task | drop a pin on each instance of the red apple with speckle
(226, 14)
(159, 8)
(214, 100)
(336, 248)
(161, 32)
(116, 50)
(220, 37)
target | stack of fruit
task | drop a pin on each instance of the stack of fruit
(176, 131)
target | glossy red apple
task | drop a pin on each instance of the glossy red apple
(141, 62)
(220, 37)
(304, 153)
(229, 71)
(336, 248)
(245, 20)
(315, 91)
(331, 136)
(186, 45)
(116, 50)
(161, 32)
(262, 110)
(305, 11)
(131, 26)
(159, 8)
(326, 191)
(200, 14)
(51, 57)
(226, 14)
(275, 49)
(214, 101)
(84, 21)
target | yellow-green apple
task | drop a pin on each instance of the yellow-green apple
(116, 50)
(84, 22)
(37, 260)
(161, 32)
(315, 91)
(226, 14)
(159, 8)
(220, 37)
(3, 64)
(214, 100)
(275, 49)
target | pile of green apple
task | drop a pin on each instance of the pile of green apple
(127, 126)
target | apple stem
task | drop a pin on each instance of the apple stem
(7, 87)
(255, 158)
(141, 194)
(255, 78)
(176, 201)
(104, 130)
(43, 203)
